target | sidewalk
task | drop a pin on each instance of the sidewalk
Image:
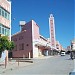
(13, 65)
(43, 57)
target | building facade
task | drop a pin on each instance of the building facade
(59, 46)
(5, 18)
(73, 45)
(29, 42)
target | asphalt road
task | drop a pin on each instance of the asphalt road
(56, 65)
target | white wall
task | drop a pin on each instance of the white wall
(73, 46)
(35, 51)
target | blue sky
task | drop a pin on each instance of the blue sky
(40, 10)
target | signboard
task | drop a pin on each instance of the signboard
(3, 56)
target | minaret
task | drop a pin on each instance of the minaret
(52, 31)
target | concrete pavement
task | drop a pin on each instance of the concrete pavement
(56, 65)
(14, 65)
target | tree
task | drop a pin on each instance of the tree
(6, 44)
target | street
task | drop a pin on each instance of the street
(56, 65)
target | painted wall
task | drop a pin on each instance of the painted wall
(35, 36)
(23, 37)
(5, 4)
(5, 22)
(52, 31)
(28, 35)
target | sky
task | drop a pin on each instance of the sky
(40, 10)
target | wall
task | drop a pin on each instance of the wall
(6, 6)
(25, 37)
(35, 36)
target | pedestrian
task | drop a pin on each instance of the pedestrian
(71, 55)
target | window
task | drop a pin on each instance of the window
(0, 11)
(21, 37)
(52, 34)
(2, 30)
(57, 48)
(52, 44)
(52, 27)
(27, 45)
(51, 23)
(51, 20)
(15, 47)
(8, 32)
(21, 46)
(8, 17)
(52, 30)
(52, 37)
(57, 45)
(15, 39)
(4, 13)
(5, 32)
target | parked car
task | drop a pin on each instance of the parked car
(62, 53)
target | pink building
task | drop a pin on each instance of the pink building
(59, 46)
(29, 42)
(5, 18)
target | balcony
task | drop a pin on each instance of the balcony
(42, 43)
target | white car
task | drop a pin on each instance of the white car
(62, 53)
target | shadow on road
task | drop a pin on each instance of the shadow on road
(69, 59)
